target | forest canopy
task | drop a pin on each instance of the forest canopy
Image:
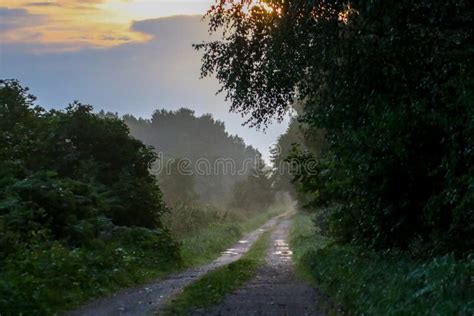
(391, 84)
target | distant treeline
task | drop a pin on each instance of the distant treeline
(202, 141)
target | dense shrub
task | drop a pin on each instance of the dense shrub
(48, 277)
(66, 159)
(367, 282)
(43, 207)
(391, 283)
(79, 209)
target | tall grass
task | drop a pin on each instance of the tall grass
(49, 278)
(204, 232)
(366, 282)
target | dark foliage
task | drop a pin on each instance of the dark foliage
(389, 282)
(74, 148)
(391, 83)
(79, 209)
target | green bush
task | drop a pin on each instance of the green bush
(75, 146)
(79, 210)
(366, 282)
(49, 277)
(43, 207)
(391, 283)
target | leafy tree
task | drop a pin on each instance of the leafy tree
(391, 83)
(79, 210)
(61, 168)
(297, 140)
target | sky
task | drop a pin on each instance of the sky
(124, 56)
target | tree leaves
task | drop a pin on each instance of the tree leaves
(380, 82)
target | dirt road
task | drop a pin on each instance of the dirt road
(145, 299)
(275, 290)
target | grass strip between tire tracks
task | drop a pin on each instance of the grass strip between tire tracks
(215, 285)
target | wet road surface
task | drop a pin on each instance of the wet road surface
(145, 299)
(275, 290)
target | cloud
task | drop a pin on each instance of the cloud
(169, 33)
(65, 24)
(11, 19)
(44, 4)
(133, 77)
(61, 3)
(106, 23)
(116, 38)
(171, 26)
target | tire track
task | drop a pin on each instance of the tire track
(143, 300)
(275, 290)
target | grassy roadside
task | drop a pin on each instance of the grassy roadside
(49, 278)
(205, 245)
(112, 266)
(374, 283)
(304, 239)
(212, 287)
